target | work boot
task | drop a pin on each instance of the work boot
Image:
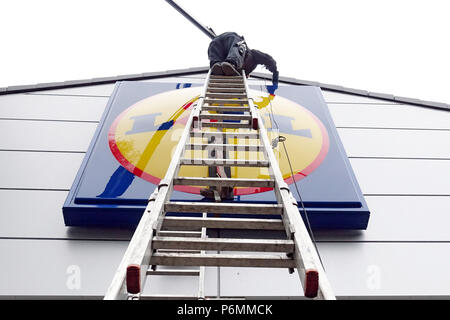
(216, 69)
(227, 193)
(229, 70)
(210, 194)
(207, 193)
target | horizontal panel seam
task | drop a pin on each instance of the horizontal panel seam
(366, 194)
(50, 120)
(318, 241)
(350, 157)
(34, 189)
(71, 239)
(382, 241)
(49, 151)
(396, 158)
(393, 128)
(67, 95)
(366, 103)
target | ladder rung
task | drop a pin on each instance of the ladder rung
(173, 272)
(224, 162)
(171, 233)
(225, 90)
(224, 182)
(222, 207)
(220, 116)
(225, 85)
(229, 125)
(178, 251)
(225, 95)
(224, 77)
(223, 244)
(223, 223)
(225, 108)
(227, 101)
(228, 147)
(226, 80)
(227, 135)
(223, 260)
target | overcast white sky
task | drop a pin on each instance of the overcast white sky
(399, 47)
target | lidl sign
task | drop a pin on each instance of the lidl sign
(142, 124)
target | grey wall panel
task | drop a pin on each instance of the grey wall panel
(48, 267)
(404, 177)
(38, 214)
(38, 170)
(194, 76)
(181, 285)
(336, 97)
(52, 107)
(388, 116)
(101, 90)
(45, 135)
(392, 219)
(76, 269)
(105, 90)
(396, 143)
(400, 218)
(387, 269)
(175, 80)
(51, 267)
(356, 269)
(259, 283)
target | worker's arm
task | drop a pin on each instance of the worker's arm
(265, 59)
(268, 62)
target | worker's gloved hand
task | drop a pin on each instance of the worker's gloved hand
(271, 89)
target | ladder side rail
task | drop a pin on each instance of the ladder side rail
(165, 186)
(253, 111)
(144, 232)
(201, 100)
(202, 269)
(139, 250)
(325, 291)
(305, 254)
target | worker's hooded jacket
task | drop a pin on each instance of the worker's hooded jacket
(231, 47)
(254, 57)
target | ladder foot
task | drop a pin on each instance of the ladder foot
(134, 279)
(255, 123)
(311, 283)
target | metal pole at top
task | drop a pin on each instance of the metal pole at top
(206, 30)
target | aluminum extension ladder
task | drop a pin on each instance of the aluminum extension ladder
(181, 240)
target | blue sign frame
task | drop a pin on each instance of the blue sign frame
(104, 193)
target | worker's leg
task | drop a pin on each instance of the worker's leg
(209, 192)
(226, 47)
(227, 193)
(216, 52)
(236, 51)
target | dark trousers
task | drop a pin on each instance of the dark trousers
(212, 170)
(229, 47)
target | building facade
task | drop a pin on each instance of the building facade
(400, 154)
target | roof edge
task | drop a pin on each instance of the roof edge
(199, 70)
(102, 80)
(358, 92)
